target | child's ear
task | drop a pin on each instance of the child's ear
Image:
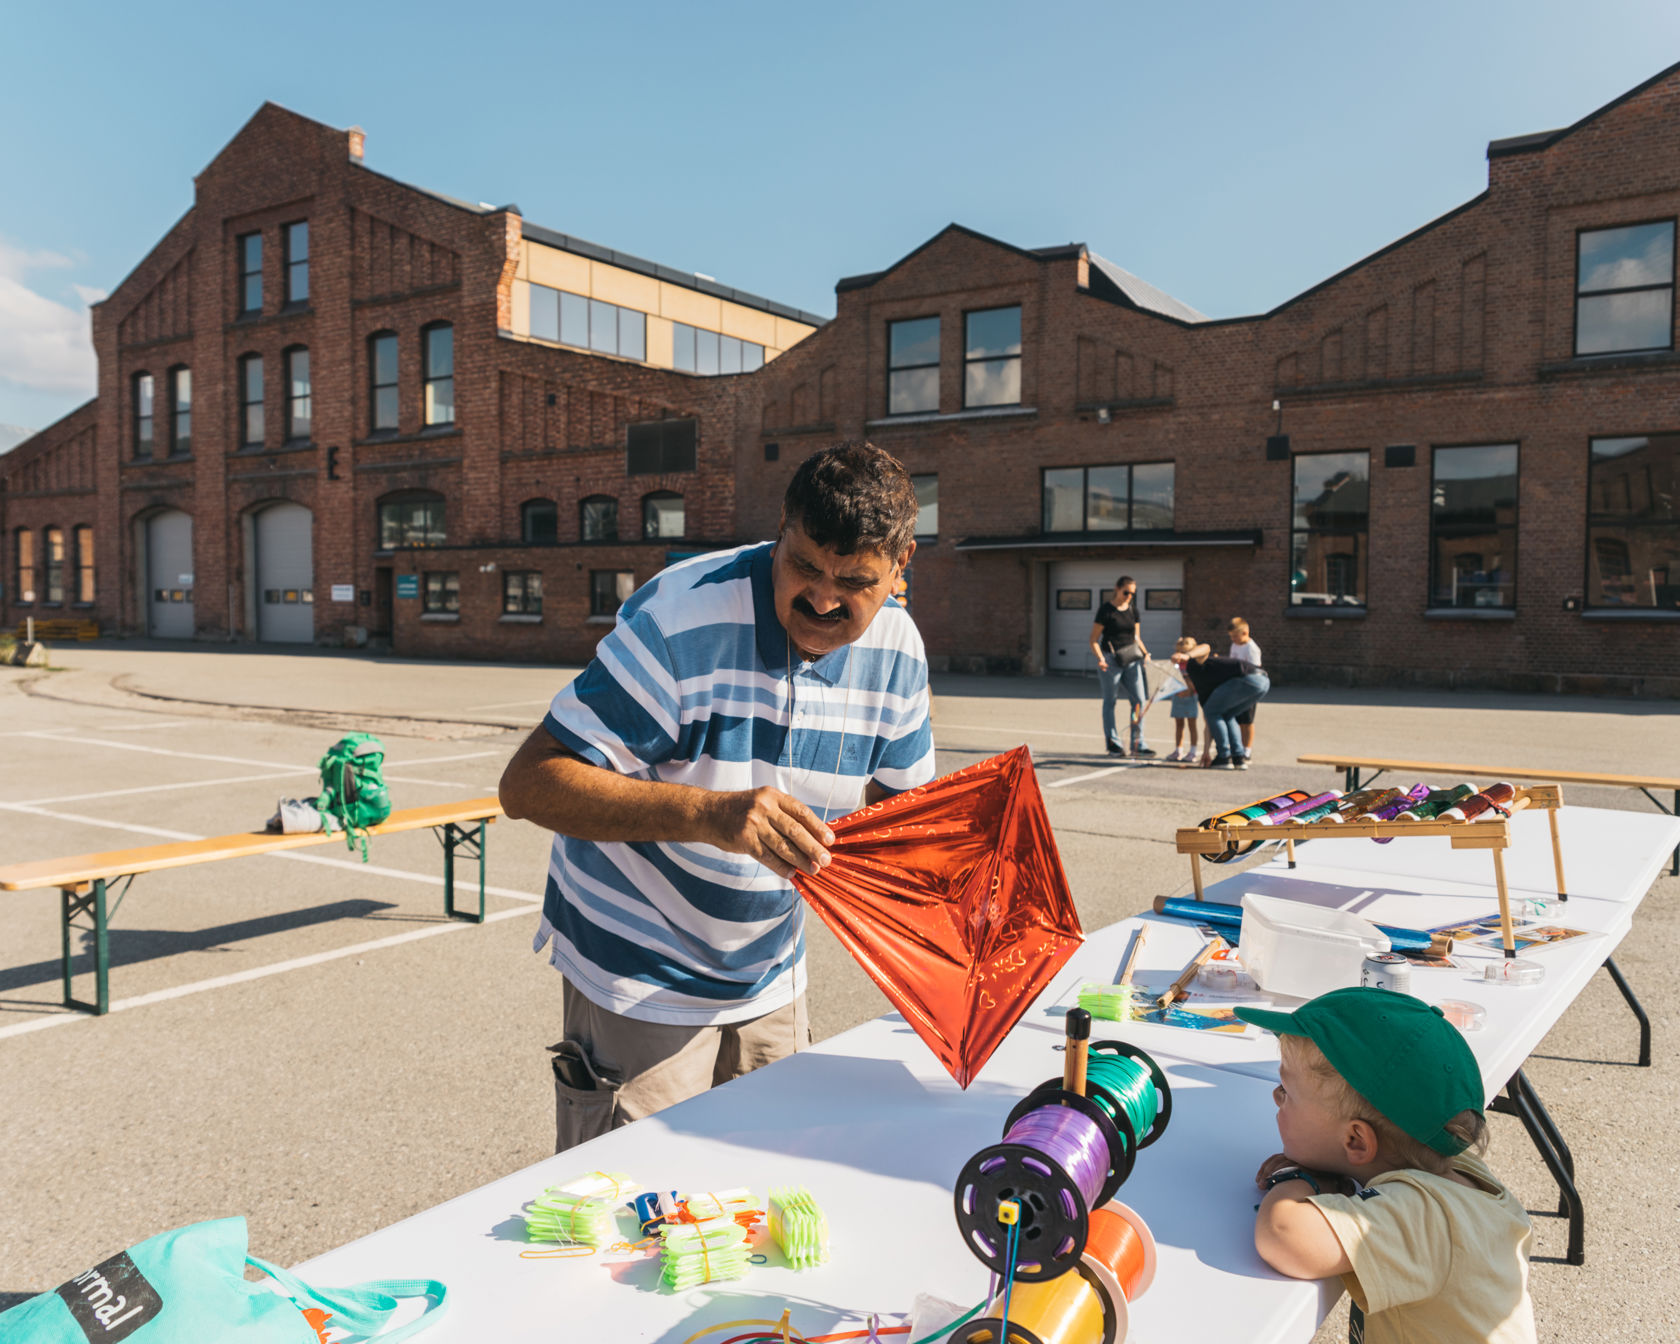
(1360, 1142)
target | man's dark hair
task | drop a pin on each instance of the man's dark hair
(853, 496)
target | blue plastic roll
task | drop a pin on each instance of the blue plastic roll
(1229, 918)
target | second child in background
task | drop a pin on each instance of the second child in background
(1244, 648)
(1185, 709)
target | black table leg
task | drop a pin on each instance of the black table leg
(1522, 1101)
(1638, 1011)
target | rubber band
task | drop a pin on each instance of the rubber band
(576, 1250)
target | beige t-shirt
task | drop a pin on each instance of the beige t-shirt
(1435, 1262)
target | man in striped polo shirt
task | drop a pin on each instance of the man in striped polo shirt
(743, 700)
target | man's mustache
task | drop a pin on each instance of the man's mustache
(810, 613)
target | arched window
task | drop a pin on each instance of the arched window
(299, 411)
(598, 518)
(539, 522)
(23, 564)
(180, 411)
(411, 518)
(382, 381)
(662, 516)
(83, 557)
(250, 401)
(438, 350)
(143, 405)
(52, 546)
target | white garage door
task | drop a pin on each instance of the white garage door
(169, 576)
(1079, 587)
(285, 575)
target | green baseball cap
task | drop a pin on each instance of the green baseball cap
(1396, 1051)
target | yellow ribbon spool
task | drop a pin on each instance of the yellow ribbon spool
(1069, 1309)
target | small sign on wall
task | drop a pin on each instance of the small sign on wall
(1163, 599)
(408, 585)
(344, 592)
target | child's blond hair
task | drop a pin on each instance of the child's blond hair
(1185, 644)
(1237, 626)
(1393, 1143)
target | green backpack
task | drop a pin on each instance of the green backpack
(353, 792)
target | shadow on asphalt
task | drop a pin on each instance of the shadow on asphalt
(129, 946)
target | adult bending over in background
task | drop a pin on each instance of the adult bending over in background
(1226, 687)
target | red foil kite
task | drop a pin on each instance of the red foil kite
(952, 897)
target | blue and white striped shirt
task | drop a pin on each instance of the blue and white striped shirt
(693, 687)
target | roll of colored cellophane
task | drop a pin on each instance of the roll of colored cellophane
(1296, 811)
(1494, 796)
(1361, 809)
(1389, 811)
(1437, 802)
(1264, 807)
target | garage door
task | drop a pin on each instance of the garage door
(1079, 587)
(169, 576)
(285, 575)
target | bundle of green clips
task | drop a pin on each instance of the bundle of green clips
(799, 1227)
(706, 1252)
(1113, 1003)
(580, 1210)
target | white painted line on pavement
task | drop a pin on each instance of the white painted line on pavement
(137, 727)
(1013, 732)
(261, 972)
(163, 788)
(1080, 779)
(236, 760)
(509, 704)
(295, 856)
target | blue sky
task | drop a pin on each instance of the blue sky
(1232, 154)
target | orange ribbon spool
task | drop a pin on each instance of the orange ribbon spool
(1116, 1245)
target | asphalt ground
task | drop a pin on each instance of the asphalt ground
(308, 1041)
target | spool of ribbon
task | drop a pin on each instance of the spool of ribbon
(1257, 809)
(1359, 806)
(1293, 811)
(1071, 1309)
(1389, 811)
(1437, 802)
(1496, 797)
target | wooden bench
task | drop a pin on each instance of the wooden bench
(83, 879)
(56, 627)
(1443, 773)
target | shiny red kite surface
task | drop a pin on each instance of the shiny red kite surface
(952, 897)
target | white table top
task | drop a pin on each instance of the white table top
(877, 1131)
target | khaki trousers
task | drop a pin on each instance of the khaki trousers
(610, 1069)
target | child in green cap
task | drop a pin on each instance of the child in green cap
(1379, 1109)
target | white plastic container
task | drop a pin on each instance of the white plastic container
(1304, 950)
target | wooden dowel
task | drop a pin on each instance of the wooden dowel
(1130, 964)
(1507, 935)
(1557, 855)
(1078, 1046)
(1196, 873)
(1188, 973)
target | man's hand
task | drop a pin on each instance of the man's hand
(771, 826)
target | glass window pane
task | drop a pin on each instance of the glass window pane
(729, 354)
(545, 313)
(912, 390)
(913, 342)
(662, 517)
(254, 423)
(1642, 320)
(440, 352)
(385, 408)
(384, 360)
(993, 382)
(1634, 565)
(705, 351)
(1641, 254)
(1636, 478)
(298, 406)
(682, 347)
(440, 401)
(1105, 498)
(253, 379)
(1152, 496)
(927, 505)
(1332, 490)
(297, 241)
(603, 327)
(752, 356)
(1064, 499)
(143, 395)
(1473, 527)
(574, 319)
(632, 334)
(993, 333)
(1326, 570)
(250, 253)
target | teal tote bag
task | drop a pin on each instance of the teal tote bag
(189, 1287)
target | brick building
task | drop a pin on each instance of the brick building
(1455, 462)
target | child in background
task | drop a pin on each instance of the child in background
(1185, 709)
(1379, 1101)
(1244, 648)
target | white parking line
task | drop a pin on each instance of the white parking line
(1017, 732)
(137, 727)
(261, 972)
(232, 779)
(289, 766)
(1080, 779)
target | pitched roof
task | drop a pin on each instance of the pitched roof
(1140, 293)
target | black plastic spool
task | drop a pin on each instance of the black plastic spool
(1116, 1130)
(991, 1329)
(1156, 1076)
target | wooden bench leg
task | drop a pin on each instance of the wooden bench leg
(471, 844)
(93, 902)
